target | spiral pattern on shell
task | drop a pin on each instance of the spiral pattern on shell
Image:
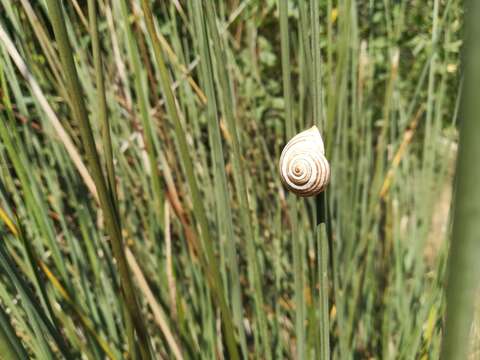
(303, 167)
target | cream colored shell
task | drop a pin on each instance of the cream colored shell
(303, 167)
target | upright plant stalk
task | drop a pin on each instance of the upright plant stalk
(292, 201)
(228, 108)
(101, 98)
(224, 212)
(323, 229)
(464, 273)
(112, 220)
(316, 66)
(210, 261)
(323, 259)
(147, 123)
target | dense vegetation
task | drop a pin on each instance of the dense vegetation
(139, 151)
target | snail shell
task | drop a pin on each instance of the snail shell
(303, 167)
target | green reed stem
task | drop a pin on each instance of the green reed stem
(224, 212)
(292, 201)
(464, 273)
(323, 260)
(211, 262)
(112, 220)
(228, 106)
(101, 98)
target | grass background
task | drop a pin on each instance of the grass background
(189, 104)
